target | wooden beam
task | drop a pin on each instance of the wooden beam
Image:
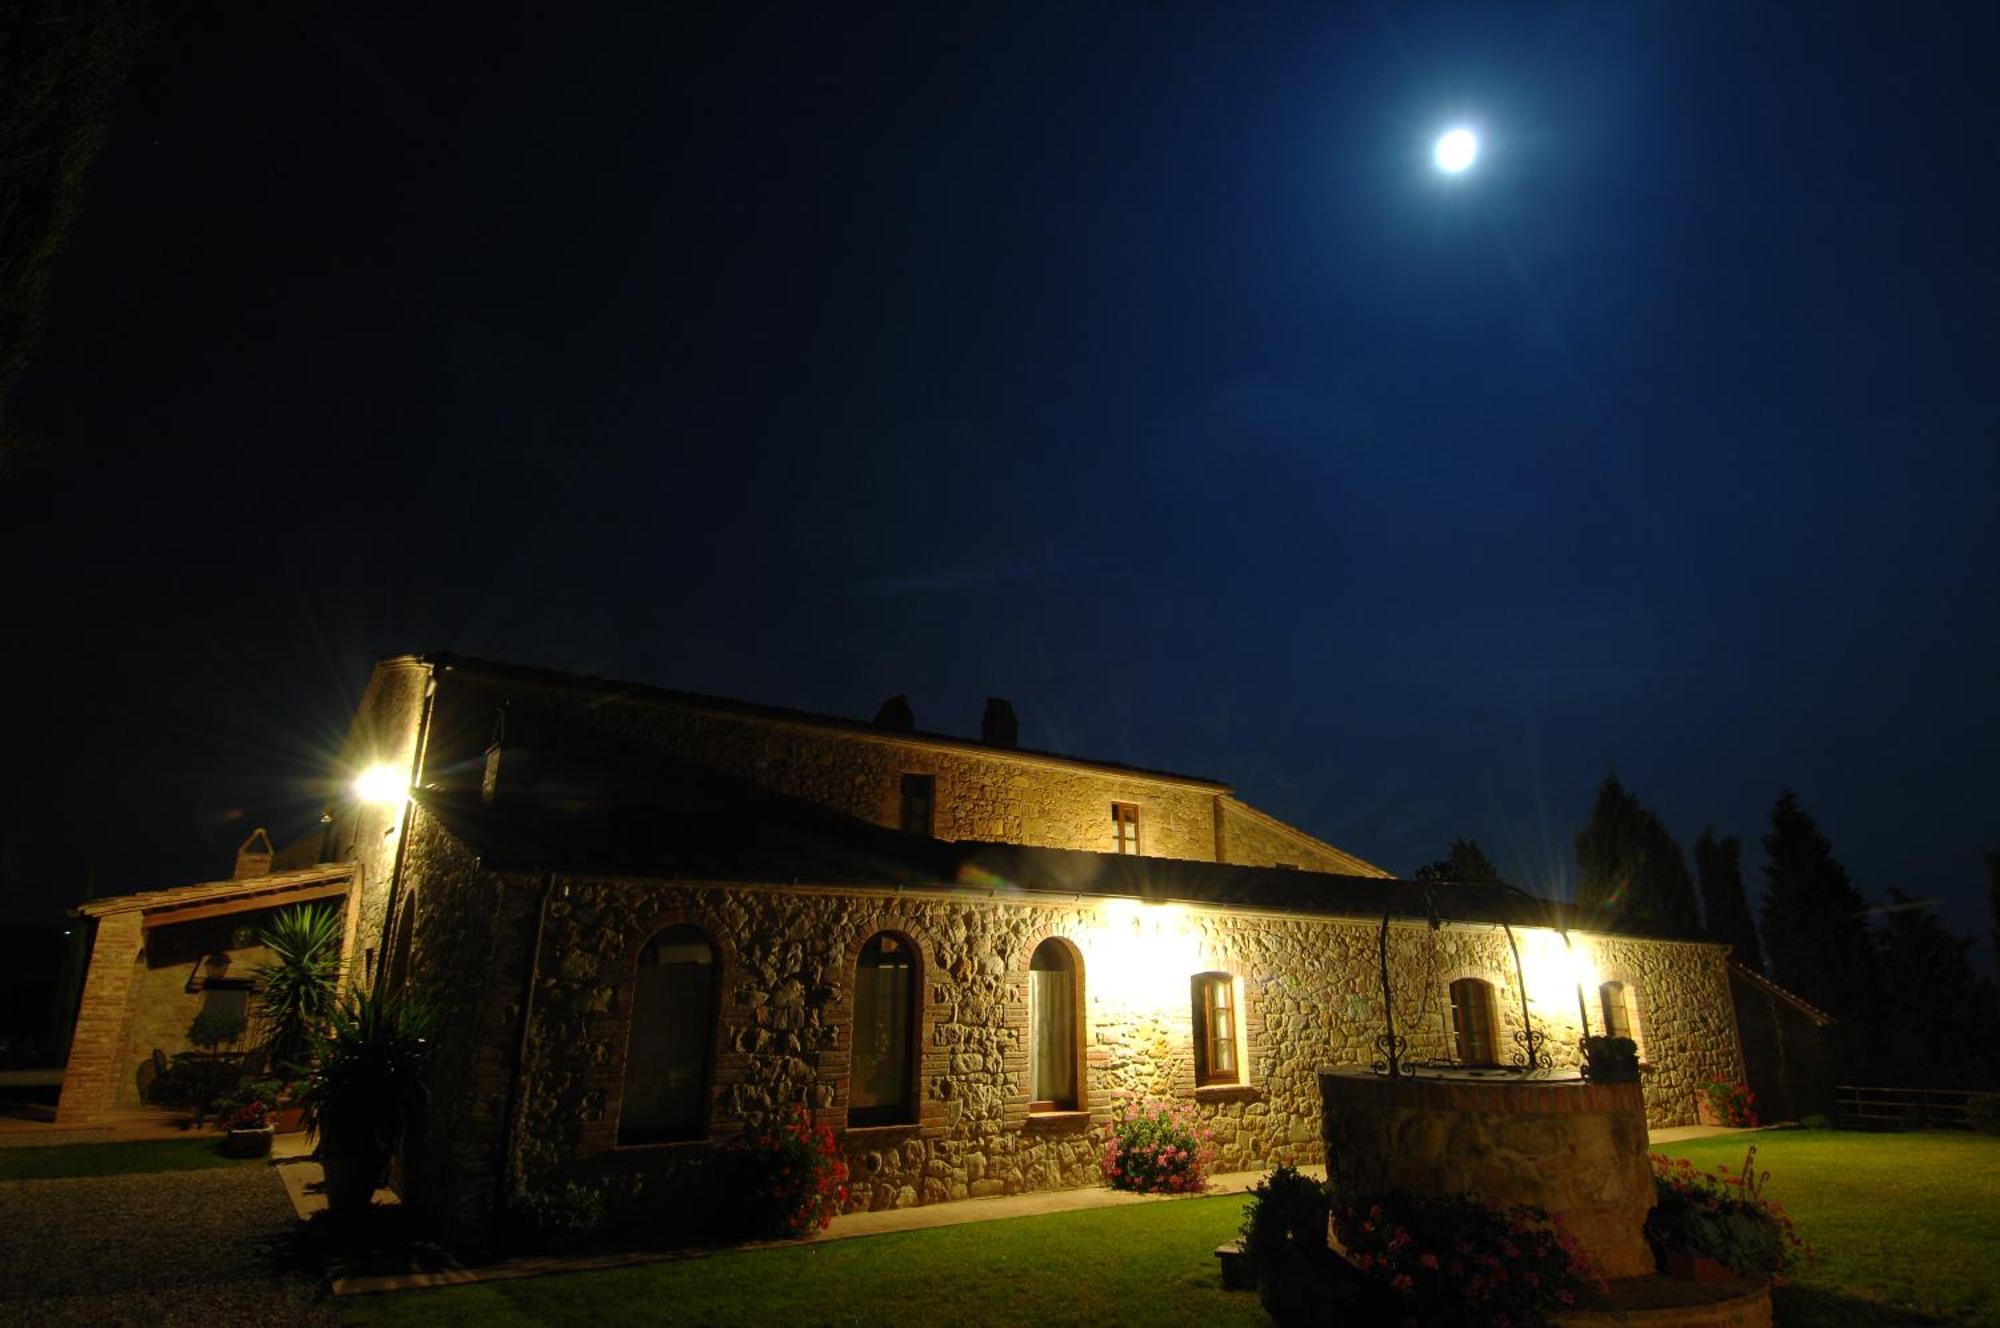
(244, 904)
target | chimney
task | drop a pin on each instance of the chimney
(253, 855)
(895, 713)
(998, 727)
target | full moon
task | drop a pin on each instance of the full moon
(1456, 150)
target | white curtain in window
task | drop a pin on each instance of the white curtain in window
(1052, 1036)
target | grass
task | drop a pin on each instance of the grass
(55, 1161)
(1903, 1224)
(1147, 1263)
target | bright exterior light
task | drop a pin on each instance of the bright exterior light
(381, 785)
(1554, 969)
(1456, 150)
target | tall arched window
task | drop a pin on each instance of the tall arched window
(1053, 1017)
(666, 1055)
(1472, 1022)
(885, 1015)
(1616, 1000)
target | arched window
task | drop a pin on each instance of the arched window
(1215, 1028)
(885, 1014)
(1616, 999)
(1472, 1022)
(666, 1055)
(1053, 1016)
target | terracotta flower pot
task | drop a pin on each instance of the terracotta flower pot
(288, 1120)
(1685, 1267)
(250, 1141)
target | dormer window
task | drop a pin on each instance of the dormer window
(1125, 826)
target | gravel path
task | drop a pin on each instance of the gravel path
(160, 1250)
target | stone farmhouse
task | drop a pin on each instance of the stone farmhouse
(649, 918)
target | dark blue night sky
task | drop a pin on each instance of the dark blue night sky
(1129, 361)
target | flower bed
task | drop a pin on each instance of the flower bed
(1455, 1260)
(792, 1179)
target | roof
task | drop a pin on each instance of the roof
(716, 828)
(645, 694)
(1750, 975)
(246, 888)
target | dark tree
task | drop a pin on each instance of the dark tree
(61, 62)
(1993, 896)
(1466, 862)
(1815, 922)
(1725, 912)
(1929, 1026)
(1632, 871)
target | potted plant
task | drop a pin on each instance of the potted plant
(247, 1130)
(1708, 1225)
(1611, 1060)
(365, 1086)
(298, 989)
(1723, 1103)
(1298, 1277)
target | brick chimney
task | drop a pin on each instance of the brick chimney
(998, 727)
(895, 713)
(253, 855)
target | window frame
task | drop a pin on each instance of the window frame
(1627, 1006)
(1079, 1097)
(895, 1113)
(1204, 987)
(915, 779)
(1478, 994)
(1125, 829)
(710, 1039)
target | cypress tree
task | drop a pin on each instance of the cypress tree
(1815, 921)
(1632, 873)
(1725, 911)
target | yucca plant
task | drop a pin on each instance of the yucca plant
(298, 990)
(365, 1086)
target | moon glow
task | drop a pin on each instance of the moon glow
(1455, 151)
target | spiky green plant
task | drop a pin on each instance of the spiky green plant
(298, 990)
(367, 1077)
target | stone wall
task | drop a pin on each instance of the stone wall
(982, 793)
(783, 1022)
(168, 989)
(1252, 838)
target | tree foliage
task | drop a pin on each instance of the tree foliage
(1725, 911)
(1466, 863)
(1815, 921)
(1929, 1024)
(297, 991)
(61, 64)
(1632, 871)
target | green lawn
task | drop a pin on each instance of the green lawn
(1900, 1222)
(53, 1161)
(1147, 1263)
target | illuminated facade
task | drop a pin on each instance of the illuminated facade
(649, 919)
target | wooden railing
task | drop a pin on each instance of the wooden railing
(1857, 1108)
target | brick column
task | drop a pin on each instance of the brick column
(90, 1084)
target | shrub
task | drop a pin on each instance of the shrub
(212, 1028)
(560, 1217)
(1287, 1217)
(1158, 1148)
(368, 1080)
(791, 1179)
(1724, 1217)
(1455, 1260)
(1816, 1121)
(1733, 1104)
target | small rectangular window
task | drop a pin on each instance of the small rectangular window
(919, 804)
(1125, 826)
(1472, 1022)
(1215, 1030)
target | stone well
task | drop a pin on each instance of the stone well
(1576, 1150)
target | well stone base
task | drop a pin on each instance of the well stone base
(1661, 1302)
(1576, 1150)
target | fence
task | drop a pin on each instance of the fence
(1857, 1108)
